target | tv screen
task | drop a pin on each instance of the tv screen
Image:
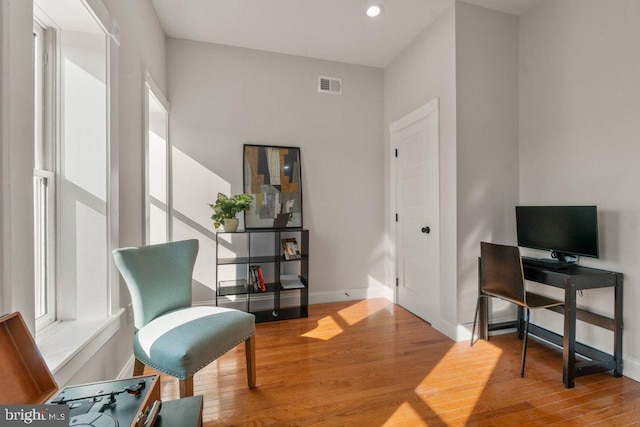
(571, 230)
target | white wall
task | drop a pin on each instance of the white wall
(487, 143)
(142, 49)
(426, 69)
(222, 97)
(579, 127)
(469, 58)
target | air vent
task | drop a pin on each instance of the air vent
(330, 85)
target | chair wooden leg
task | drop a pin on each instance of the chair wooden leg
(138, 367)
(186, 387)
(524, 345)
(250, 352)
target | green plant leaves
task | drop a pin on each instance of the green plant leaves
(226, 207)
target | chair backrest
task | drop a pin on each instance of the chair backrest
(158, 277)
(501, 272)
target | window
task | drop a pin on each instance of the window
(44, 188)
(72, 183)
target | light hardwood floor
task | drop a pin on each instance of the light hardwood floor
(371, 363)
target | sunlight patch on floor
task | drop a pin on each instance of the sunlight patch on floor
(361, 310)
(438, 400)
(448, 365)
(327, 328)
(404, 413)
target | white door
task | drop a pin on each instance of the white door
(417, 196)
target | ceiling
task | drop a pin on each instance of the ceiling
(335, 30)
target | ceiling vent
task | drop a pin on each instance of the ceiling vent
(330, 85)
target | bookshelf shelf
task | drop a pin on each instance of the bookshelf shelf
(286, 294)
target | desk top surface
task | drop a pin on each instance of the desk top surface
(579, 276)
(569, 270)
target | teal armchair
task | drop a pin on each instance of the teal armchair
(171, 335)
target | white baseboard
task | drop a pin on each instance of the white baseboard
(206, 302)
(449, 329)
(390, 294)
(292, 298)
(127, 370)
(631, 368)
(463, 331)
(347, 295)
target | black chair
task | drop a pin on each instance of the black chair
(501, 276)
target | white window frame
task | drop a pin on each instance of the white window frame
(69, 342)
(152, 89)
(65, 292)
(44, 176)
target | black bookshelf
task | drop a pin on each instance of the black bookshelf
(263, 248)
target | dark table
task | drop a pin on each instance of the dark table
(572, 279)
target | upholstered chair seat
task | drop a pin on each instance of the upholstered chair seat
(182, 342)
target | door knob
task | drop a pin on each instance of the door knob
(426, 230)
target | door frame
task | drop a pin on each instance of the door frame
(422, 112)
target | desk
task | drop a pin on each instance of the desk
(572, 279)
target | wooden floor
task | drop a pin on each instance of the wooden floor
(371, 363)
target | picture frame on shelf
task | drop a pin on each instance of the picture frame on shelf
(290, 248)
(273, 176)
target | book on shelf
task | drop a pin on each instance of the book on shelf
(255, 274)
(291, 281)
(261, 279)
(290, 247)
(257, 279)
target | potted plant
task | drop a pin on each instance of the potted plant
(225, 210)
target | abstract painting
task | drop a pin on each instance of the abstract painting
(272, 175)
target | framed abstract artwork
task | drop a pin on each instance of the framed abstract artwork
(272, 175)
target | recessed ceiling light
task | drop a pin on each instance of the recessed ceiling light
(374, 10)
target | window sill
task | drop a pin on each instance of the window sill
(67, 345)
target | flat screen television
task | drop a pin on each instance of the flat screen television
(563, 230)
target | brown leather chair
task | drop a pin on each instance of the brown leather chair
(501, 276)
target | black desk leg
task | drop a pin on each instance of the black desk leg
(483, 310)
(569, 347)
(617, 337)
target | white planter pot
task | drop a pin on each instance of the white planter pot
(230, 224)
